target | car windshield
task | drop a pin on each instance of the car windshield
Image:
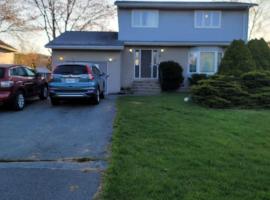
(2, 73)
(71, 69)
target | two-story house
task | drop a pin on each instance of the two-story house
(194, 34)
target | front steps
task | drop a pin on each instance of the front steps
(146, 87)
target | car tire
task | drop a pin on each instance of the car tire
(96, 98)
(102, 95)
(55, 102)
(18, 101)
(44, 93)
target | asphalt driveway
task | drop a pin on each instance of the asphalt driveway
(54, 152)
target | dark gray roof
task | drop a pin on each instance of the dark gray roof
(183, 5)
(86, 40)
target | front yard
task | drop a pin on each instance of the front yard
(165, 149)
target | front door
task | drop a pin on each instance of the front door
(146, 64)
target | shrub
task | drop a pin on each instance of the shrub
(170, 75)
(219, 92)
(260, 52)
(256, 80)
(251, 90)
(195, 78)
(237, 60)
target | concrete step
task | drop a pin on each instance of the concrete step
(146, 87)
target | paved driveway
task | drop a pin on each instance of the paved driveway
(41, 149)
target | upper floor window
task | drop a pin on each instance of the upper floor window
(145, 18)
(207, 19)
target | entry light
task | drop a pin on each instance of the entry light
(110, 59)
(130, 50)
(61, 58)
(162, 50)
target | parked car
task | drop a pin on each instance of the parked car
(17, 83)
(78, 80)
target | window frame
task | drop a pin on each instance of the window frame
(199, 51)
(203, 24)
(133, 25)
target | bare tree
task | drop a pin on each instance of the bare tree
(13, 18)
(68, 15)
(259, 17)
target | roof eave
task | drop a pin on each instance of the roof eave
(180, 5)
(8, 48)
(174, 44)
(85, 47)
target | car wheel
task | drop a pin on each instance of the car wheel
(55, 101)
(19, 101)
(102, 95)
(44, 92)
(96, 99)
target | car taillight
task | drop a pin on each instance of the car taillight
(90, 73)
(6, 84)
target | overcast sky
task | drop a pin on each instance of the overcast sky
(38, 40)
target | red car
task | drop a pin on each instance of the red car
(18, 83)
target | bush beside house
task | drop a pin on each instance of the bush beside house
(260, 52)
(170, 75)
(196, 78)
(235, 85)
(237, 60)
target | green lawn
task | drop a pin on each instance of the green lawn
(165, 149)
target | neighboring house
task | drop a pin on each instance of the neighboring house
(6, 53)
(32, 59)
(194, 34)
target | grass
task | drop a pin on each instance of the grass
(166, 149)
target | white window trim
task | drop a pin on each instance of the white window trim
(207, 27)
(216, 51)
(152, 62)
(141, 26)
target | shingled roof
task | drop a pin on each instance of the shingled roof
(86, 40)
(6, 47)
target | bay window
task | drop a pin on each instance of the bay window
(204, 60)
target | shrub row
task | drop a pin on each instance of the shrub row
(251, 90)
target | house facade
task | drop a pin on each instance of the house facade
(194, 34)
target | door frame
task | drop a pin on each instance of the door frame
(152, 64)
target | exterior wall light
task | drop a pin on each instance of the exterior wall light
(61, 58)
(130, 50)
(110, 59)
(161, 50)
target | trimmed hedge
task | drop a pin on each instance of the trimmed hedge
(237, 60)
(170, 75)
(251, 90)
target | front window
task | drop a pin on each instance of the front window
(145, 18)
(207, 19)
(205, 60)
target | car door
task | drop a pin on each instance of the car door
(34, 84)
(29, 81)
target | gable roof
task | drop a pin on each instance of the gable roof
(6, 47)
(87, 40)
(183, 5)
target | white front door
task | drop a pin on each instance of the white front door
(146, 64)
